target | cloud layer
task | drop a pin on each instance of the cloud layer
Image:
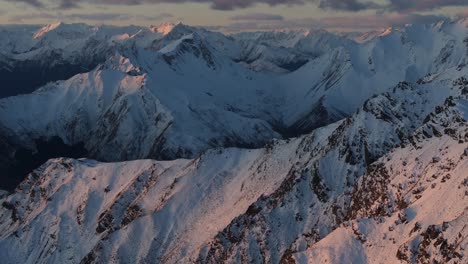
(258, 17)
(393, 12)
(343, 5)
(34, 3)
(423, 5)
(215, 4)
(347, 5)
(340, 23)
(99, 17)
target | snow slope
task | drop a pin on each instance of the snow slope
(115, 202)
(361, 148)
(288, 201)
(411, 205)
(189, 89)
(315, 201)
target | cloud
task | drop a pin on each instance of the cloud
(351, 5)
(163, 16)
(100, 17)
(68, 4)
(348, 5)
(235, 4)
(28, 17)
(422, 5)
(378, 21)
(35, 3)
(341, 5)
(215, 4)
(257, 17)
(462, 14)
(338, 23)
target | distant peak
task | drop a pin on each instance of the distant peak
(165, 28)
(300, 31)
(387, 31)
(54, 25)
(41, 32)
(463, 21)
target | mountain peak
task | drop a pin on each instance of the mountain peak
(47, 28)
(387, 31)
(463, 21)
(65, 29)
(296, 31)
(165, 28)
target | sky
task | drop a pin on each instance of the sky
(236, 15)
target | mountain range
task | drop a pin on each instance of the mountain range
(175, 144)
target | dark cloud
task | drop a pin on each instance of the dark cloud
(68, 4)
(342, 5)
(347, 5)
(215, 4)
(258, 17)
(234, 4)
(392, 5)
(35, 3)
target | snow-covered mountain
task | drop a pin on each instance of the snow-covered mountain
(53, 52)
(325, 192)
(361, 147)
(175, 91)
(410, 206)
(341, 192)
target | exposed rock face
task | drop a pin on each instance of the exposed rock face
(409, 204)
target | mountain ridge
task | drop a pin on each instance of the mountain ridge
(293, 174)
(362, 147)
(195, 80)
